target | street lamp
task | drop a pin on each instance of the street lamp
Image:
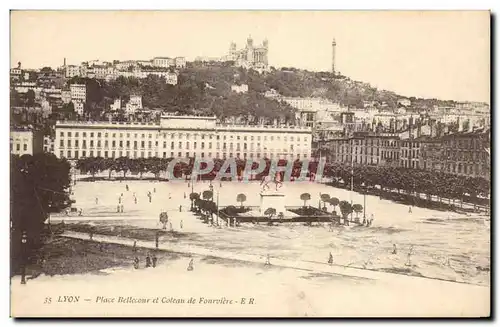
(24, 239)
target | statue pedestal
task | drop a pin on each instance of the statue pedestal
(272, 199)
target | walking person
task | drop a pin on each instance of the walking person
(121, 207)
(134, 247)
(148, 261)
(410, 252)
(170, 226)
(126, 187)
(96, 200)
(330, 259)
(157, 239)
(181, 224)
(155, 260)
(394, 249)
(409, 209)
(136, 263)
(180, 208)
(268, 260)
(190, 265)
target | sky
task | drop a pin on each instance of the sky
(444, 55)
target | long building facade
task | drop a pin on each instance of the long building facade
(180, 136)
(463, 153)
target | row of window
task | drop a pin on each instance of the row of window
(143, 154)
(181, 135)
(18, 147)
(142, 144)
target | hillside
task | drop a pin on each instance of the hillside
(208, 90)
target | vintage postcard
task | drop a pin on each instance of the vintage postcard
(250, 164)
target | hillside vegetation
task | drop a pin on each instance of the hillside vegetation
(207, 90)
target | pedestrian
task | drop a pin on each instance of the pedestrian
(80, 212)
(155, 260)
(169, 196)
(170, 225)
(134, 247)
(119, 200)
(394, 249)
(371, 220)
(268, 260)
(191, 265)
(126, 187)
(136, 263)
(184, 195)
(330, 259)
(410, 252)
(409, 209)
(154, 190)
(135, 200)
(181, 224)
(121, 207)
(91, 235)
(157, 240)
(96, 200)
(148, 261)
(117, 208)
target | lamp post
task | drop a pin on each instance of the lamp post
(217, 208)
(24, 240)
(364, 201)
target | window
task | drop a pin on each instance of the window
(194, 145)
(69, 134)
(121, 143)
(113, 143)
(105, 134)
(203, 145)
(172, 146)
(99, 134)
(114, 134)
(61, 143)
(149, 144)
(69, 153)
(149, 136)
(76, 143)
(106, 143)
(61, 134)
(69, 143)
(25, 147)
(142, 145)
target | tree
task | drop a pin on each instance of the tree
(345, 209)
(241, 198)
(123, 164)
(305, 197)
(39, 186)
(325, 198)
(334, 202)
(357, 208)
(193, 197)
(30, 98)
(164, 219)
(270, 212)
(207, 195)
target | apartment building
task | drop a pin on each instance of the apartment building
(180, 136)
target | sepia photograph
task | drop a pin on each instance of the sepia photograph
(278, 164)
